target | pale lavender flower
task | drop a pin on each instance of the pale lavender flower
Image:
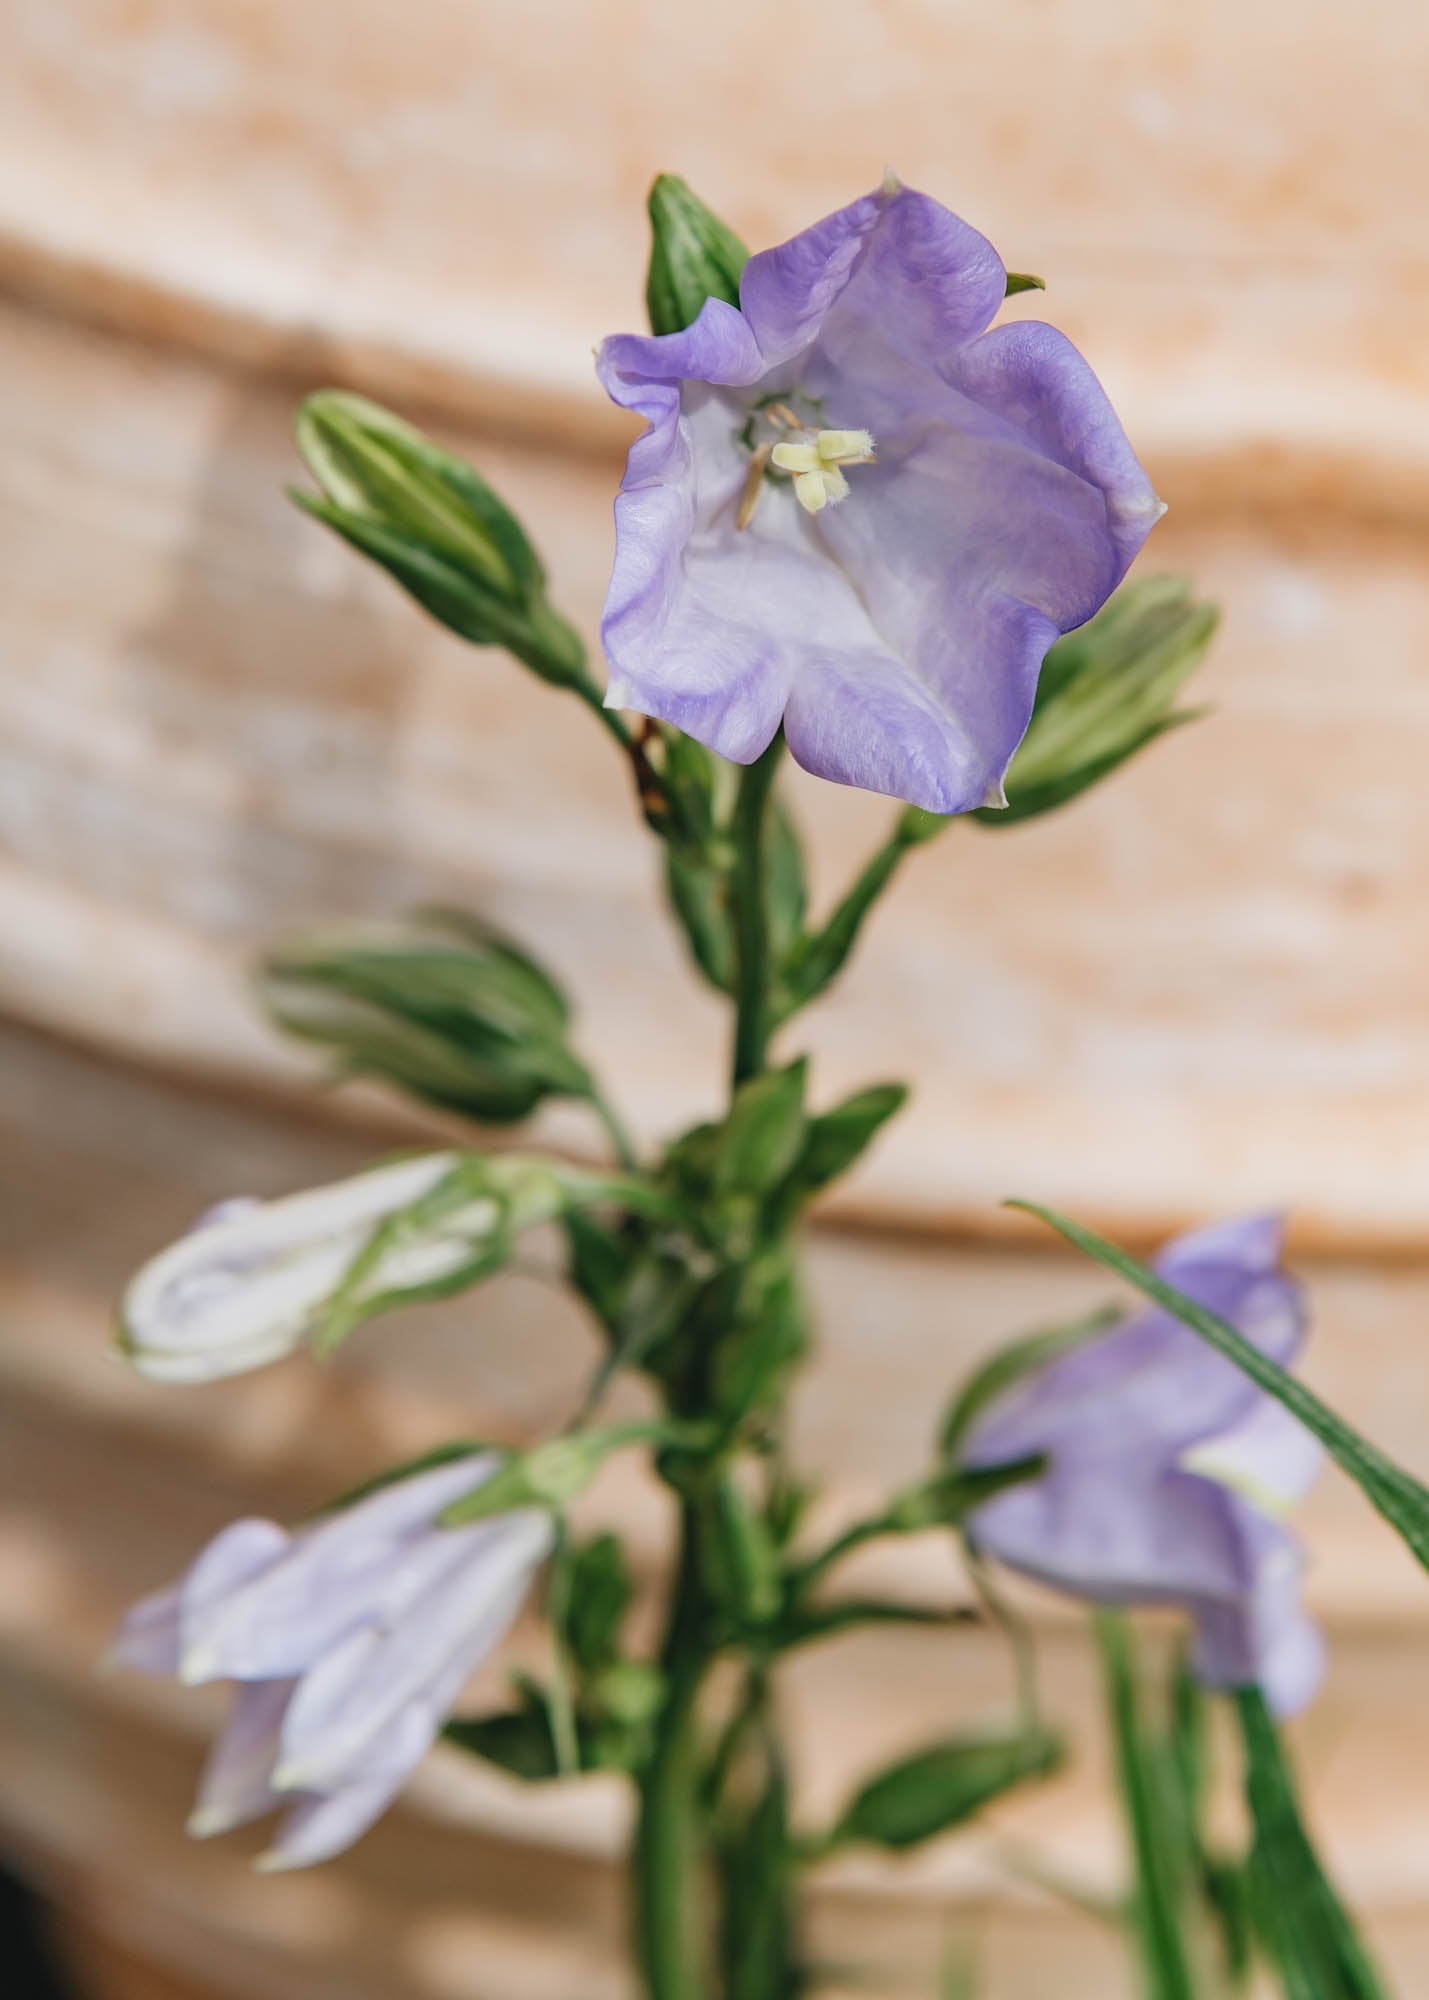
(932, 503)
(253, 1279)
(352, 1639)
(1169, 1472)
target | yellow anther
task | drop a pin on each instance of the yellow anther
(816, 465)
(798, 458)
(812, 492)
(845, 447)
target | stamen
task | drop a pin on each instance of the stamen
(817, 467)
(753, 485)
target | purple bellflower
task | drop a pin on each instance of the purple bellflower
(858, 511)
(1168, 1472)
(351, 1639)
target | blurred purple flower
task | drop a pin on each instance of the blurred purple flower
(1168, 1471)
(894, 616)
(353, 1639)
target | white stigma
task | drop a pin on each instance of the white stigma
(817, 466)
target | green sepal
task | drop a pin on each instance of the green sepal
(1023, 281)
(1002, 1371)
(1395, 1494)
(693, 256)
(946, 1500)
(1105, 692)
(1318, 1950)
(408, 1468)
(941, 1787)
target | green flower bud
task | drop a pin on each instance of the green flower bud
(436, 527)
(439, 1004)
(693, 257)
(1106, 691)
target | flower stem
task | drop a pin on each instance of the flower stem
(670, 1935)
(753, 1013)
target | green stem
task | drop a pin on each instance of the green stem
(669, 1919)
(822, 955)
(616, 1130)
(1159, 1901)
(753, 1013)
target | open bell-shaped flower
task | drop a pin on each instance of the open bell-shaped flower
(857, 511)
(352, 1640)
(1168, 1472)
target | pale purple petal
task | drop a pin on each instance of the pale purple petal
(350, 1695)
(893, 260)
(1263, 1638)
(231, 1561)
(1088, 1530)
(323, 1824)
(148, 1638)
(236, 1785)
(333, 1578)
(1154, 1386)
(1269, 1458)
(1032, 375)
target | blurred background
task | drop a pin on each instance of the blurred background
(1206, 989)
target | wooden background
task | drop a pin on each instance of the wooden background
(1206, 989)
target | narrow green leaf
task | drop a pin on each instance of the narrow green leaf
(761, 1138)
(837, 1138)
(940, 1787)
(1394, 1493)
(1005, 1369)
(1161, 1872)
(1320, 1952)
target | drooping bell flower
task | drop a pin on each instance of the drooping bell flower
(1169, 1473)
(351, 1640)
(859, 512)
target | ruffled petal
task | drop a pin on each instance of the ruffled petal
(1268, 1458)
(1031, 375)
(895, 261)
(1092, 1531)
